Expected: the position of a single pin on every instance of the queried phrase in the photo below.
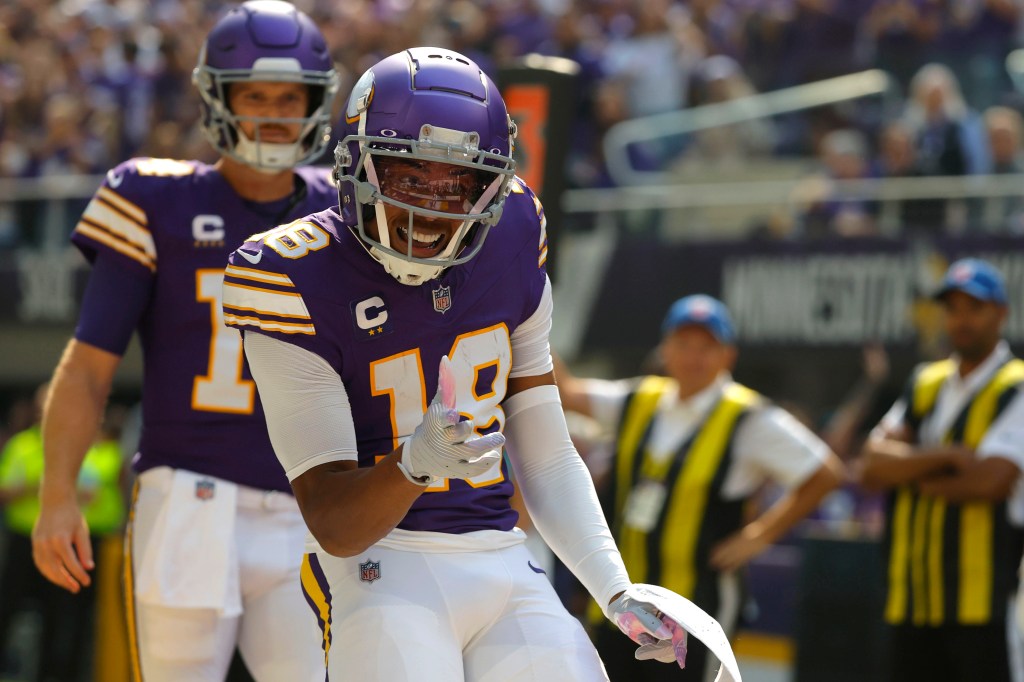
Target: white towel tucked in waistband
(190, 559)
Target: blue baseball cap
(702, 310)
(976, 278)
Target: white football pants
(444, 615)
(226, 580)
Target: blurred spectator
(721, 79)
(67, 620)
(576, 36)
(468, 33)
(656, 59)
(897, 158)
(519, 27)
(766, 39)
(947, 133)
(977, 37)
(1004, 128)
(654, 63)
(949, 138)
(825, 209)
(721, 22)
(899, 34)
(823, 37)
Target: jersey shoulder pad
(117, 218)
(262, 282)
(145, 180)
(524, 210)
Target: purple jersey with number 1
(312, 283)
(173, 224)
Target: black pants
(617, 652)
(63, 653)
(949, 653)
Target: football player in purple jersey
(216, 537)
(398, 340)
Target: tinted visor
(431, 185)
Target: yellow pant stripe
(896, 604)
(319, 600)
(129, 591)
(975, 596)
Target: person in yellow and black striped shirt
(691, 449)
(950, 452)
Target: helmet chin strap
(267, 157)
(406, 272)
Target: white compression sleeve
(531, 352)
(307, 410)
(559, 492)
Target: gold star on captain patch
(372, 332)
(380, 330)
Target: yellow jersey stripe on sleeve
(259, 276)
(101, 215)
(117, 244)
(232, 320)
(264, 301)
(123, 205)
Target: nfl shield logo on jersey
(369, 571)
(205, 488)
(442, 299)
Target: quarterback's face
(427, 185)
(695, 358)
(974, 327)
(269, 100)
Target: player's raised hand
(61, 547)
(443, 446)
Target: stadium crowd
(86, 83)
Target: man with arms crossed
(949, 453)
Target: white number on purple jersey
(222, 388)
(475, 357)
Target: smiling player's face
(428, 185)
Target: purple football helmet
(426, 107)
(265, 41)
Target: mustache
(265, 128)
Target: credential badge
(369, 571)
(442, 299)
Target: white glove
(659, 637)
(658, 620)
(442, 446)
